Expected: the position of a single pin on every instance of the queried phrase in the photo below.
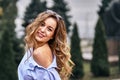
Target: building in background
(112, 24)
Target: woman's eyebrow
(43, 22)
(51, 27)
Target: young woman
(47, 54)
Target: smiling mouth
(41, 35)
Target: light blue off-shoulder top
(28, 69)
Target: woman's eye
(49, 29)
(42, 24)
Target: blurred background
(93, 28)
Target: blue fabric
(28, 69)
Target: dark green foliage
(8, 51)
(76, 54)
(8, 18)
(4, 4)
(60, 6)
(18, 47)
(99, 63)
(106, 17)
(35, 7)
(8, 66)
(9, 14)
(105, 4)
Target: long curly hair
(58, 44)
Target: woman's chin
(38, 39)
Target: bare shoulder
(41, 50)
(43, 56)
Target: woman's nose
(43, 29)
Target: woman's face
(46, 30)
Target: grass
(114, 73)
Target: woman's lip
(41, 35)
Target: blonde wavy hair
(58, 44)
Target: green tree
(8, 65)
(35, 7)
(4, 10)
(103, 7)
(99, 63)
(76, 54)
(9, 16)
(60, 6)
(8, 69)
(105, 13)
